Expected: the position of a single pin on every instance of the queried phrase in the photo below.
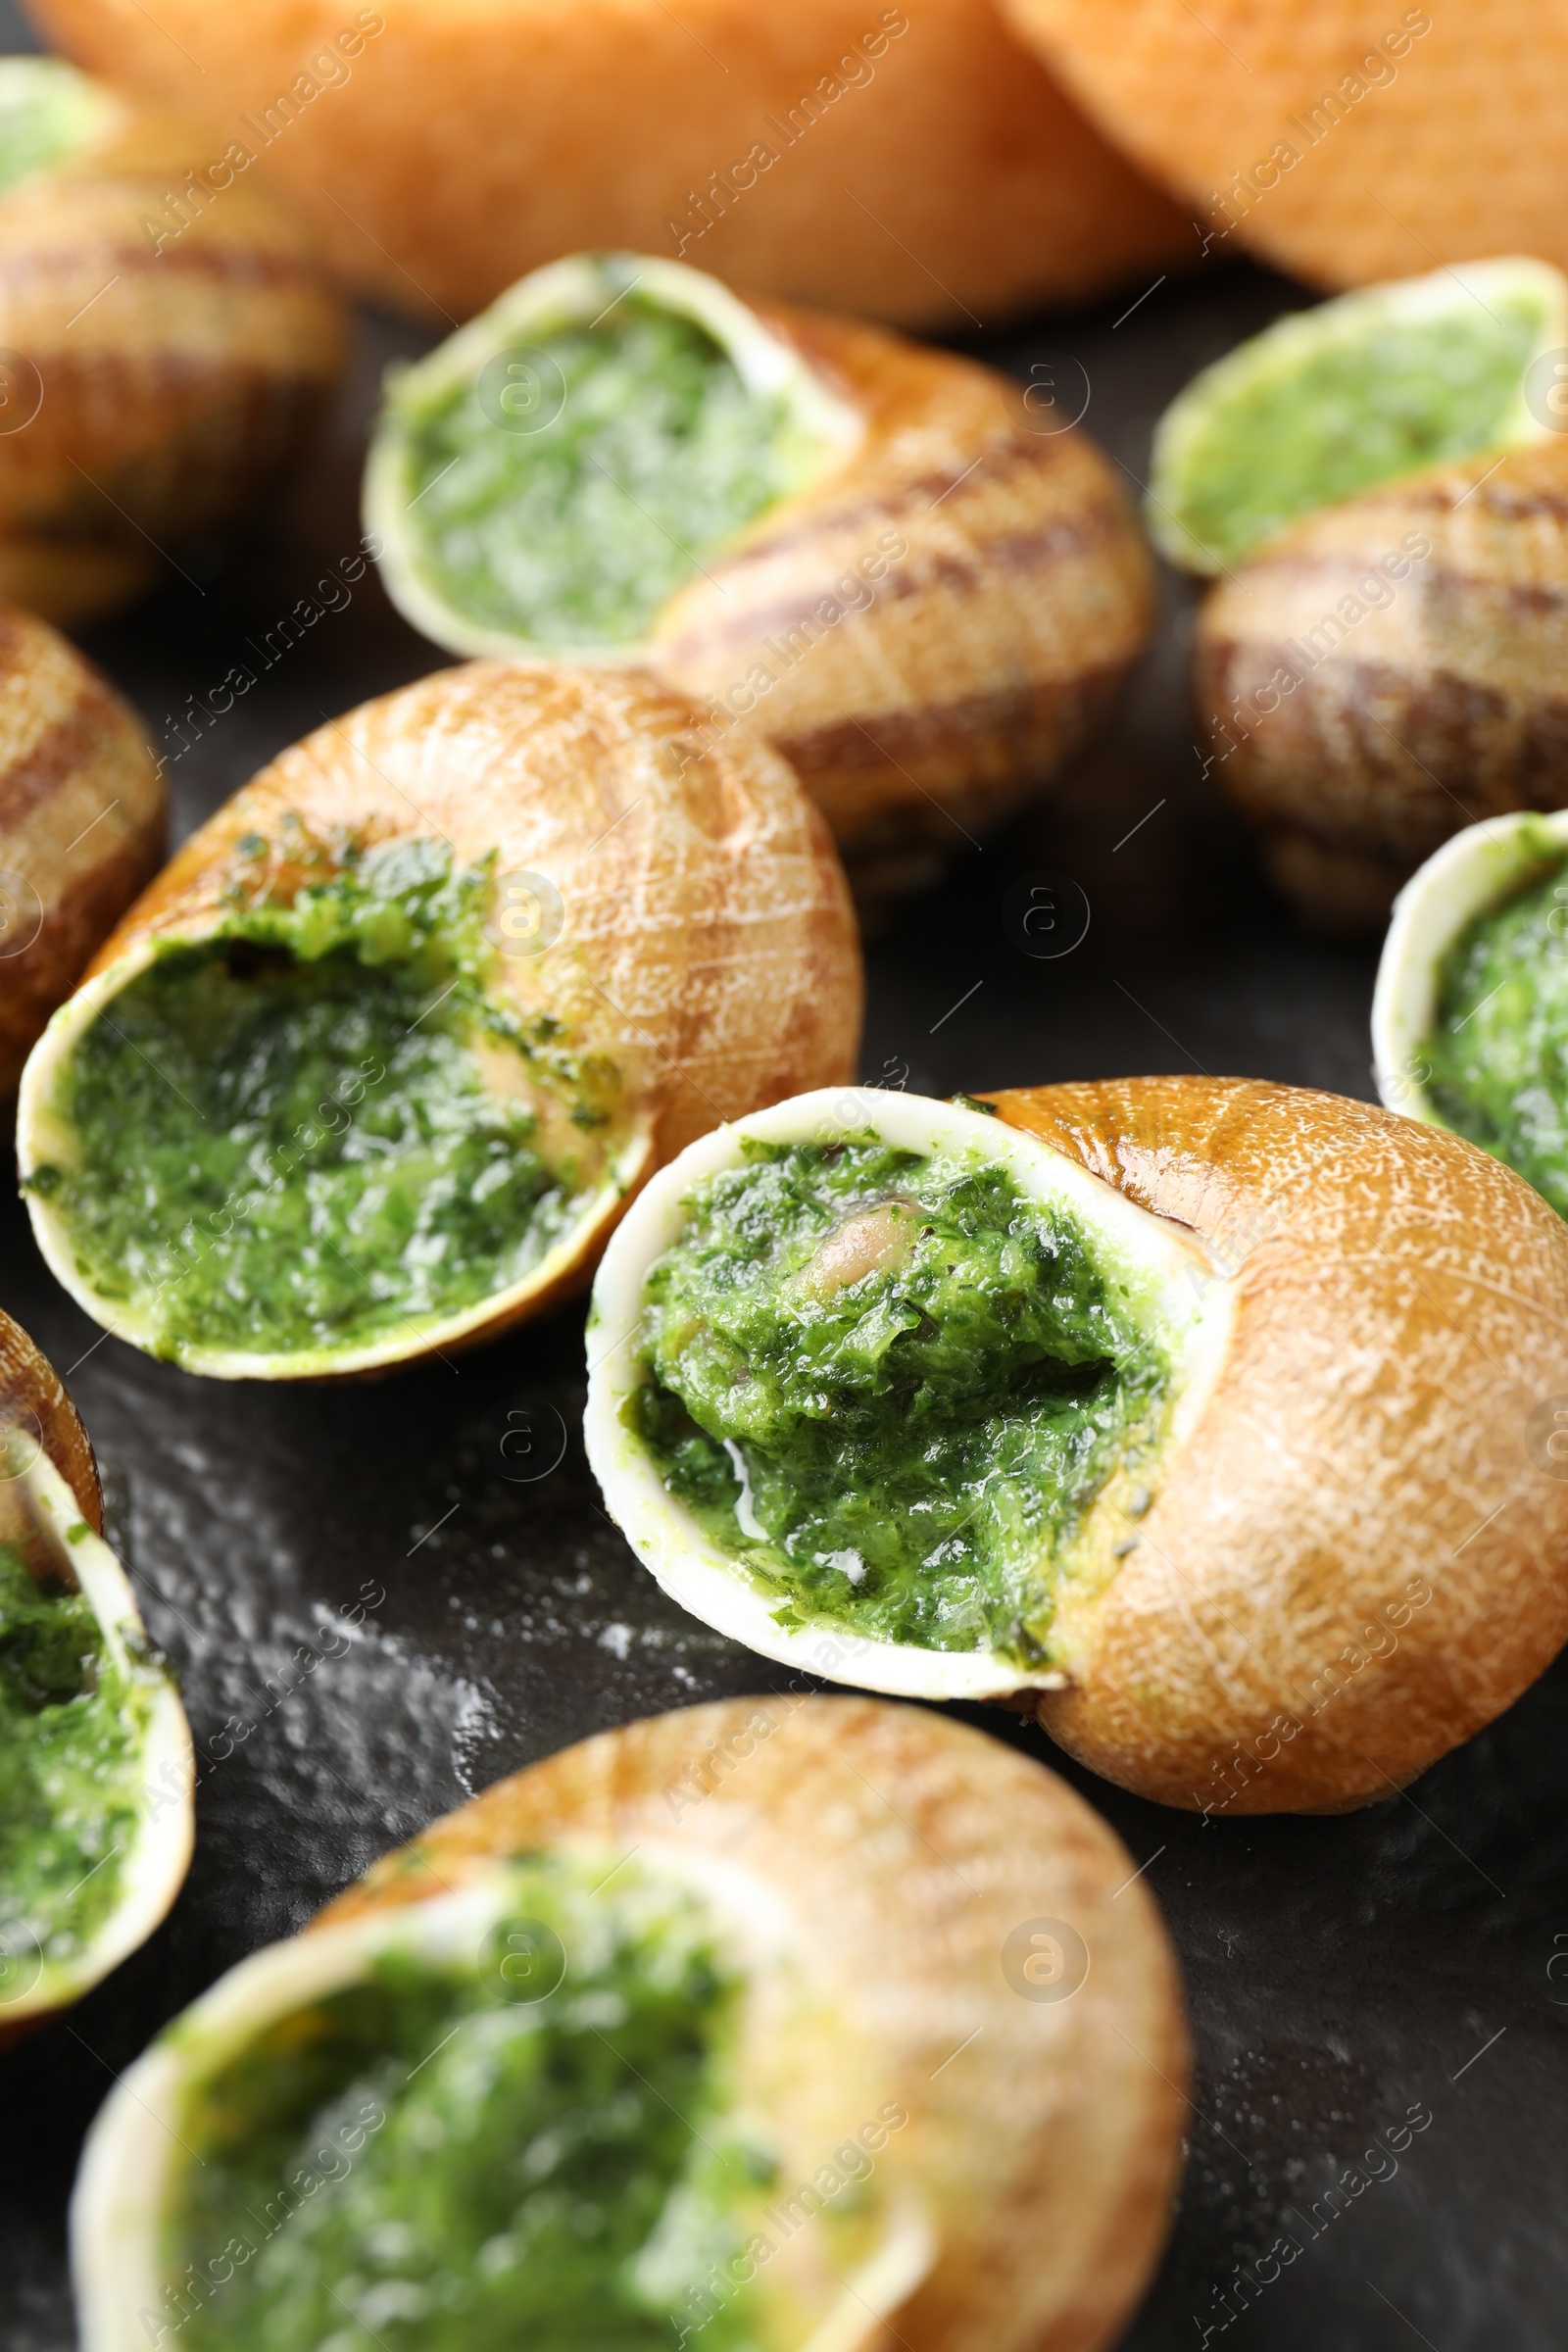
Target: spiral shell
(165, 348)
(81, 824)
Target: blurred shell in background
(1344, 140)
(164, 349)
(1390, 670)
(920, 167)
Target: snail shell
(1477, 870)
(1390, 670)
(929, 629)
(704, 940)
(1345, 1557)
(1019, 598)
(51, 1508)
(443, 155)
(168, 348)
(32, 1397)
(81, 824)
(977, 1956)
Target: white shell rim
(697, 1573)
(153, 1870)
(118, 2208)
(117, 2205)
(40, 1133)
(563, 293)
(1429, 293)
(1473, 870)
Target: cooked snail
(1470, 1019)
(1195, 1416)
(797, 2023)
(923, 589)
(81, 824)
(96, 1772)
(167, 337)
(376, 1063)
(1332, 402)
(1381, 482)
(1390, 669)
(915, 163)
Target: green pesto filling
(47, 111)
(891, 1386)
(1497, 1055)
(284, 1140)
(1360, 410)
(440, 2160)
(72, 1728)
(644, 453)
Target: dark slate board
(1342, 1973)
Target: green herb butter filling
(72, 1729)
(1363, 409)
(319, 1131)
(564, 503)
(891, 1385)
(1497, 1055)
(48, 112)
(535, 2149)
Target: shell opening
(877, 1378)
(1470, 1019)
(559, 469)
(321, 1130)
(95, 1763)
(1332, 401)
(547, 2102)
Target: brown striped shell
(921, 166)
(703, 940)
(1043, 2082)
(174, 351)
(32, 1397)
(81, 824)
(1363, 699)
(1359, 1554)
(932, 630)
